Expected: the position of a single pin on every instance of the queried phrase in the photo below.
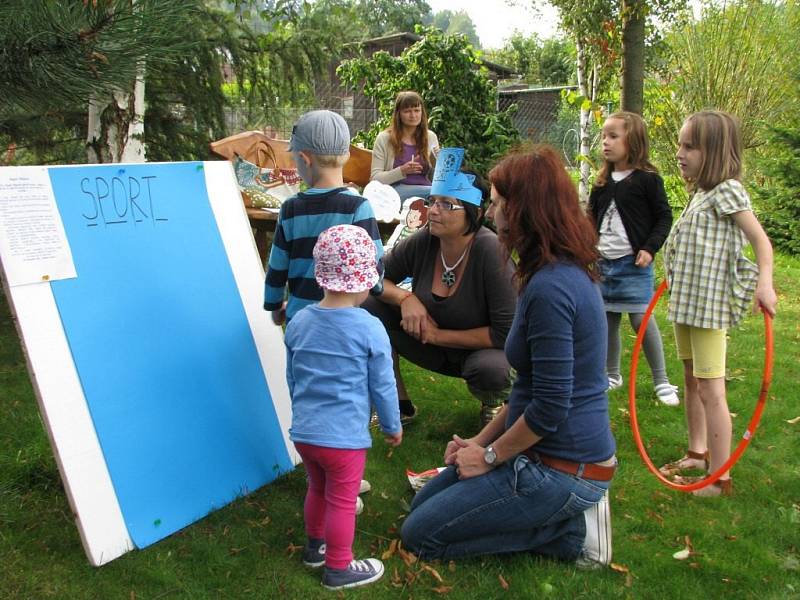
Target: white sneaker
(668, 394)
(596, 551)
(359, 505)
(364, 487)
(614, 382)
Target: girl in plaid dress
(712, 283)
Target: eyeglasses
(443, 205)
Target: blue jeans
(406, 191)
(521, 505)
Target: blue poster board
(162, 346)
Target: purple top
(410, 150)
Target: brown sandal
(721, 487)
(675, 467)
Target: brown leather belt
(590, 470)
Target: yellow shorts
(704, 347)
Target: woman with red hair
(536, 478)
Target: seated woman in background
(458, 314)
(403, 154)
(536, 478)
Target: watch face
(489, 456)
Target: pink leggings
(334, 476)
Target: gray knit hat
(320, 132)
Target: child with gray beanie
(320, 146)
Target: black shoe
(408, 411)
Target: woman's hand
(643, 259)
(411, 167)
(430, 334)
(454, 446)
(414, 317)
(469, 459)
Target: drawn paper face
(417, 215)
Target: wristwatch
(489, 456)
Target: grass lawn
(746, 546)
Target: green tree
(542, 63)
(780, 200)
(461, 99)
(733, 58)
(452, 22)
(78, 51)
(55, 56)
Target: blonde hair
(717, 135)
(636, 142)
(330, 161)
(405, 100)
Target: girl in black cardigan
(633, 218)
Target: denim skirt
(626, 288)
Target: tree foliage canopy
(540, 62)
(460, 98)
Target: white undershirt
(614, 241)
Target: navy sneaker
(358, 572)
(314, 554)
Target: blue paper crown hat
(448, 180)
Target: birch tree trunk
(116, 125)
(584, 141)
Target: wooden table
(263, 223)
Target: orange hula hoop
(751, 427)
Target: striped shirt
(302, 218)
(711, 282)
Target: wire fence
(538, 117)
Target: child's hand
(643, 259)
(279, 316)
(393, 439)
(765, 299)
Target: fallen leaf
(619, 568)
(503, 582)
(390, 551)
(443, 589)
(682, 554)
(291, 549)
(434, 573)
(793, 421)
(407, 557)
(384, 495)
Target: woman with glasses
(404, 154)
(456, 316)
(536, 478)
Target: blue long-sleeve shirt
(338, 366)
(558, 344)
(291, 261)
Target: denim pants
(407, 190)
(522, 505)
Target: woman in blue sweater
(536, 478)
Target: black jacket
(642, 205)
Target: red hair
(545, 221)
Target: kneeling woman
(457, 316)
(536, 478)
